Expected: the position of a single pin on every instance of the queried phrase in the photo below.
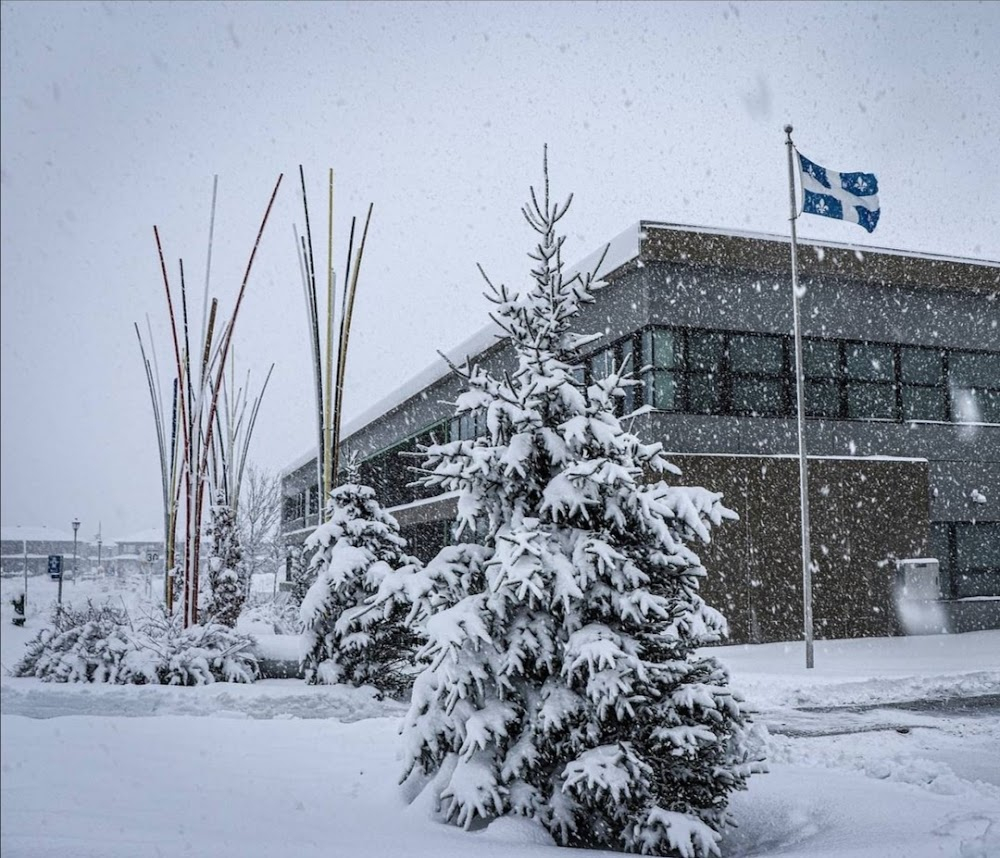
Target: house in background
(140, 553)
(25, 549)
(902, 399)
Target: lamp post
(76, 527)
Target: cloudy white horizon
(116, 117)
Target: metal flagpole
(807, 615)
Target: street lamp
(76, 527)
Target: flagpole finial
(788, 130)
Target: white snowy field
(889, 747)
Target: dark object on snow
(18, 604)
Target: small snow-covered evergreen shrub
(84, 645)
(348, 637)
(100, 643)
(276, 612)
(300, 572)
(226, 575)
(165, 653)
(563, 680)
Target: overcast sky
(115, 117)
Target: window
(465, 427)
(821, 365)
(870, 381)
(920, 366)
(711, 372)
(628, 360)
(821, 359)
(923, 403)
(705, 351)
(974, 382)
(661, 358)
(757, 377)
(391, 471)
(977, 559)
(922, 391)
(869, 361)
(623, 355)
(602, 364)
(294, 507)
(978, 370)
(719, 373)
(969, 557)
(314, 493)
(871, 401)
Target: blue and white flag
(845, 196)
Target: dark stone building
(902, 393)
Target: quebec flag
(845, 196)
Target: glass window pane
(921, 365)
(661, 390)
(869, 361)
(628, 402)
(578, 374)
(871, 400)
(602, 364)
(704, 352)
(989, 406)
(821, 359)
(969, 405)
(761, 355)
(758, 396)
(627, 359)
(822, 398)
(924, 403)
(665, 349)
(977, 546)
(980, 583)
(966, 369)
(703, 393)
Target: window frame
(958, 582)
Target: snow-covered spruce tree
(347, 637)
(563, 682)
(299, 572)
(225, 567)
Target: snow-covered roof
(150, 534)
(811, 242)
(620, 250)
(36, 533)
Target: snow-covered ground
(889, 747)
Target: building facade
(25, 550)
(902, 398)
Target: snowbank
(282, 768)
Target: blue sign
(55, 566)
